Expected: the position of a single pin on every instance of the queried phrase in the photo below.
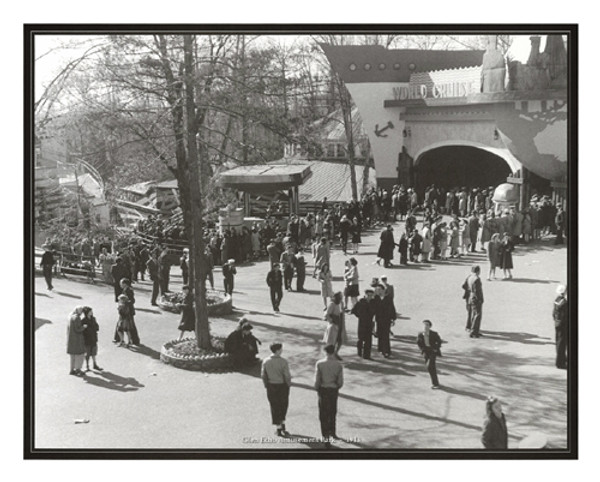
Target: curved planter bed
(185, 354)
(217, 304)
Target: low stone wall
(223, 307)
(207, 362)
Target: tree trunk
(197, 260)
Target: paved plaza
(139, 402)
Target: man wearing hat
(385, 314)
(118, 271)
(47, 264)
(275, 374)
(364, 310)
(560, 314)
(429, 342)
(386, 246)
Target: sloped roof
(374, 63)
(329, 179)
(331, 127)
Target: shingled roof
(330, 179)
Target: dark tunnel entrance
(457, 166)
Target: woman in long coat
(506, 249)
(325, 279)
(335, 333)
(188, 316)
(75, 340)
(494, 255)
(495, 433)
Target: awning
(265, 178)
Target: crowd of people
(454, 223)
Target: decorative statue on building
(493, 70)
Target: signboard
(436, 91)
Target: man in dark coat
(275, 283)
(164, 271)
(152, 266)
(429, 342)
(364, 311)
(118, 271)
(47, 264)
(474, 292)
(473, 226)
(560, 314)
(300, 265)
(384, 316)
(386, 247)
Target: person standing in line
(118, 271)
(275, 283)
(75, 340)
(300, 265)
(325, 278)
(184, 265)
(321, 255)
(364, 311)
(210, 264)
(495, 433)
(429, 342)
(287, 261)
(474, 302)
(152, 267)
(560, 314)
(188, 316)
(473, 229)
(47, 264)
(105, 261)
(275, 374)
(90, 337)
(229, 273)
(384, 316)
(329, 378)
(164, 269)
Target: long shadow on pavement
(42, 294)
(148, 310)
(68, 295)
(145, 350)
(519, 337)
(404, 411)
(377, 368)
(531, 280)
(114, 382)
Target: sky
(49, 65)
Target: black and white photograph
(301, 241)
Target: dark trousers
(288, 275)
(300, 278)
(118, 290)
(47, 270)
(430, 357)
(365, 340)
(276, 295)
(278, 395)
(228, 284)
(328, 410)
(185, 276)
(562, 338)
(155, 290)
(383, 337)
(474, 317)
(164, 282)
